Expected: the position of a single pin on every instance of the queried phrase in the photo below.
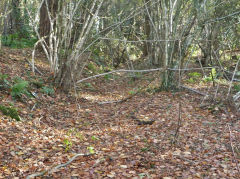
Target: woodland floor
(120, 146)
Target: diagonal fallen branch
(120, 71)
(141, 71)
(34, 67)
(193, 90)
(52, 170)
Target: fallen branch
(109, 102)
(120, 71)
(50, 171)
(36, 174)
(34, 67)
(179, 123)
(193, 90)
(141, 71)
(234, 154)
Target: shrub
(237, 87)
(47, 90)
(207, 79)
(67, 144)
(19, 88)
(10, 111)
(194, 75)
(191, 80)
(92, 68)
(108, 76)
(37, 83)
(16, 41)
(4, 83)
(212, 76)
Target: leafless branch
(34, 67)
(141, 71)
(52, 170)
(194, 90)
(234, 73)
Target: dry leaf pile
(59, 127)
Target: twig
(206, 97)
(216, 91)
(220, 64)
(179, 122)
(36, 174)
(234, 154)
(33, 106)
(50, 171)
(109, 102)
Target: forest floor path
(182, 141)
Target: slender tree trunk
(44, 24)
(13, 21)
(3, 9)
(16, 20)
(147, 31)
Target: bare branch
(194, 90)
(234, 73)
(141, 71)
(50, 171)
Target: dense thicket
(166, 34)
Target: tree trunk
(16, 21)
(64, 78)
(3, 11)
(44, 24)
(147, 31)
(13, 22)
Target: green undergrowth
(10, 111)
(4, 83)
(21, 90)
(17, 40)
(19, 87)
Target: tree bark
(13, 22)
(44, 24)
(64, 78)
(147, 31)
